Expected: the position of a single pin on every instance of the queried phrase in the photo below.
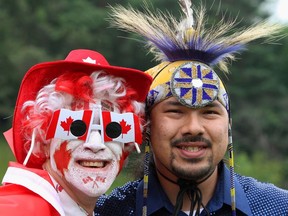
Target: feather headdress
(189, 39)
(187, 50)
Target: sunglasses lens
(113, 130)
(78, 128)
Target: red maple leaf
(62, 157)
(125, 127)
(66, 124)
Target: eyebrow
(214, 104)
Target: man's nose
(95, 142)
(193, 125)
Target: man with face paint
(75, 122)
(189, 122)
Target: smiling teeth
(191, 149)
(92, 164)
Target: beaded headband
(193, 83)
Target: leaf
(62, 157)
(66, 124)
(125, 127)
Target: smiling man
(189, 121)
(75, 122)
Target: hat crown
(86, 56)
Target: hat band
(194, 84)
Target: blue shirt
(158, 199)
(252, 198)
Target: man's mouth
(93, 164)
(191, 148)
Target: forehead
(105, 105)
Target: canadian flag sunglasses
(69, 125)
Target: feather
(172, 40)
(185, 27)
(186, 6)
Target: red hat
(86, 61)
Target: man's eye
(211, 112)
(173, 111)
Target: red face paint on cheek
(62, 157)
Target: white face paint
(91, 167)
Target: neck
(85, 203)
(171, 188)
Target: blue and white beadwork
(194, 84)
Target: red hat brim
(42, 74)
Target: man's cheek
(116, 148)
(62, 157)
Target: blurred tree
(259, 99)
(247, 165)
(33, 31)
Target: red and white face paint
(90, 166)
(87, 146)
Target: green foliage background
(33, 31)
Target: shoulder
(252, 185)
(120, 201)
(16, 198)
(264, 197)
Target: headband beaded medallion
(194, 84)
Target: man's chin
(95, 193)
